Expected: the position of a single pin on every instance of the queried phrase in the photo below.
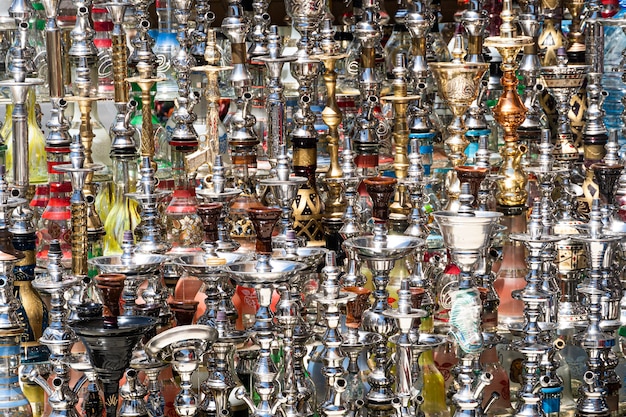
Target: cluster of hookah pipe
(131, 327)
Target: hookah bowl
(458, 85)
(183, 346)
(110, 347)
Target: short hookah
(263, 275)
(59, 337)
(597, 342)
(405, 316)
(465, 249)
(11, 329)
(380, 252)
(330, 297)
(183, 347)
(534, 297)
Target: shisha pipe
(58, 337)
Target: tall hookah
(306, 17)
(380, 252)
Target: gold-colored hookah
(510, 112)
(400, 101)
(458, 84)
(334, 206)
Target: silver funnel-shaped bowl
(200, 264)
(138, 264)
(564, 78)
(465, 236)
(393, 247)
(247, 274)
(312, 257)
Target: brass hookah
(400, 101)
(334, 206)
(510, 111)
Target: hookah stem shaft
(147, 133)
(120, 70)
(86, 137)
(20, 147)
(79, 238)
(55, 68)
(334, 119)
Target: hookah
(207, 267)
(58, 337)
(12, 399)
(368, 128)
(330, 298)
(510, 111)
(466, 234)
(380, 253)
(419, 21)
(264, 275)
(475, 20)
(183, 347)
(551, 37)
(109, 341)
(533, 331)
(576, 49)
(217, 192)
(79, 170)
(450, 75)
(405, 316)
(305, 69)
(334, 206)
(142, 42)
(530, 68)
(284, 189)
(123, 214)
(201, 33)
(83, 55)
(597, 342)
(400, 101)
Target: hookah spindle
(264, 219)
